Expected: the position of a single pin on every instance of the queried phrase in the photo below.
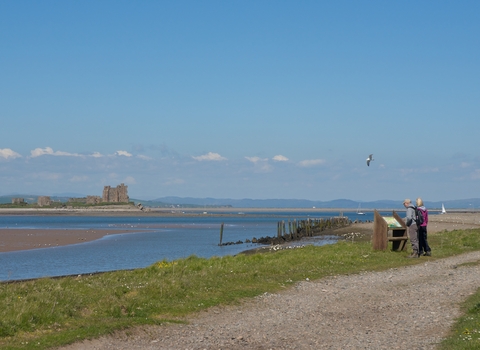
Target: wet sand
(24, 239)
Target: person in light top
(411, 227)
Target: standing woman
(423, 247)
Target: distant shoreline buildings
(110, 194)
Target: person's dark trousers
(423, 246)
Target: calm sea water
(160, 238)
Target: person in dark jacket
(411, 227)
(423, 247)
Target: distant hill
(473, 203)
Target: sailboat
(359, 212)
(443, 209)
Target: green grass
(51, 312)
(466, 332)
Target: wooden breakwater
(294, 230)
(297, 229)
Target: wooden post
(221, 233)
(380, 230)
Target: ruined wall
(43, 201)
(108, 194)
(77, 200)
(93, 199)
(18, 201)
(115, 195)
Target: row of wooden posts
(297, 229)
(310, 227)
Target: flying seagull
(369, 159)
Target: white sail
(359, 211)
(443, 209)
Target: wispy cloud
(79, 178)
(38, 152)
(255, 160)
(261, 164)
(97, 155)
(210, 156)
(476, 174)
(130, 180)
(8, 153)
(311, 162)
(280, 158)
(46, 176)
(141, 156)
(123, 153)
(174, 182)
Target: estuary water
(160, 238)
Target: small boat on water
(443, 209)
(359, 211)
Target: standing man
(411, 227)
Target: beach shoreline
(12, 239)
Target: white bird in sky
(369, 159)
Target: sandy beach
(23, 239)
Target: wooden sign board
(382, 225)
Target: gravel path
(404, 308)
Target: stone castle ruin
(117, 194)
(44, 201)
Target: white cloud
(209, 157)
(37, 152)
(311, 162)
(255, 160)
(261, 164)
(8, 153)
(280, 158)
(465, 165)
(97, 155)
(123, 153)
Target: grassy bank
(51, 312)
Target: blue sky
(241, 99)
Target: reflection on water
(167, 238)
